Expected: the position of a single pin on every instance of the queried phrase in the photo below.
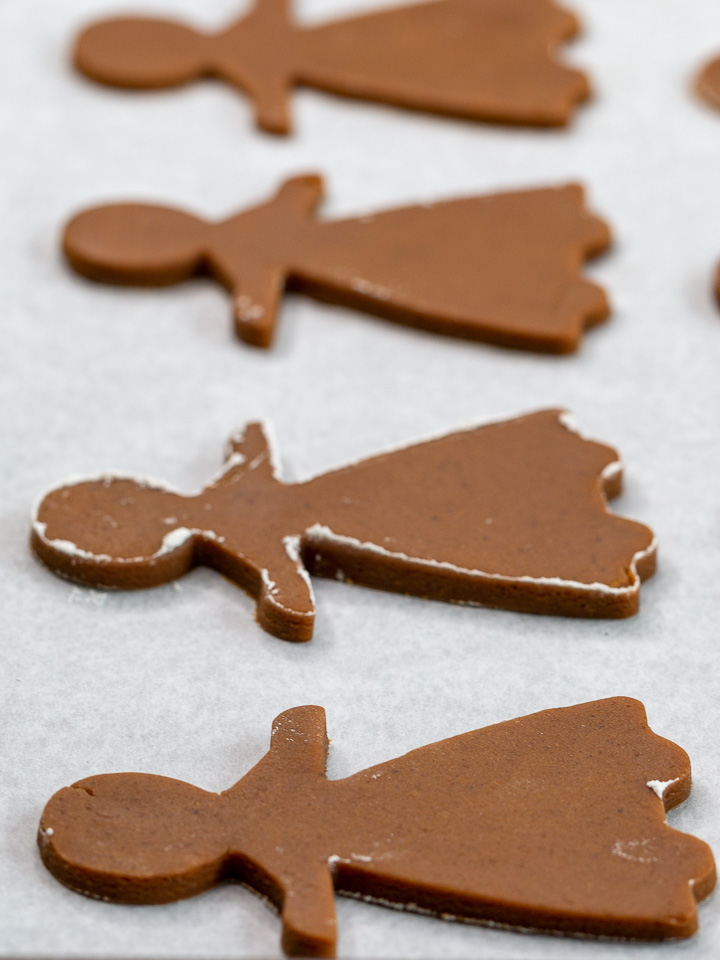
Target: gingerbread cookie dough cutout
(503, 268)
(511, 515)
(558, 825)
(490, 60)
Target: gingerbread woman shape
(554, 821)
(478, 59)
(511, 515)
(503, 268)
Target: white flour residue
(171, 541)
(320, 533)
(292, 548)
(270, 453)
(660, 786)
(612, 470)
(370, 289)
(272, 591)
(271, 587)
(246, 310)
(638, 851)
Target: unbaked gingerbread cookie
(511, 514)
(554, 822)
(504, 268)
(479, 59)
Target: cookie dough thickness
(552, 822)
(511, 514)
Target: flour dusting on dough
(319, 534)
(660, 786)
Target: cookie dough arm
(254, 444)
(259, 286)
(260, 61)
(272, 91)
(272, 106)
(286, 605)
(308, 915)
(299, 746)
(300, 196)
(256, 302)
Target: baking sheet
(180, 680)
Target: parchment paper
(180, 680)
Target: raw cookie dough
(479, 59)
(511, 514)
(707, 83)
(503, 268)
(554, 821)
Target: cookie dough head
(140, 53)
(114, 532)
(96, 837)
(135, 243)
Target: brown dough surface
(503, 268)
(553, 821)
(511, 514)
(707, 83)
(479, 59)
